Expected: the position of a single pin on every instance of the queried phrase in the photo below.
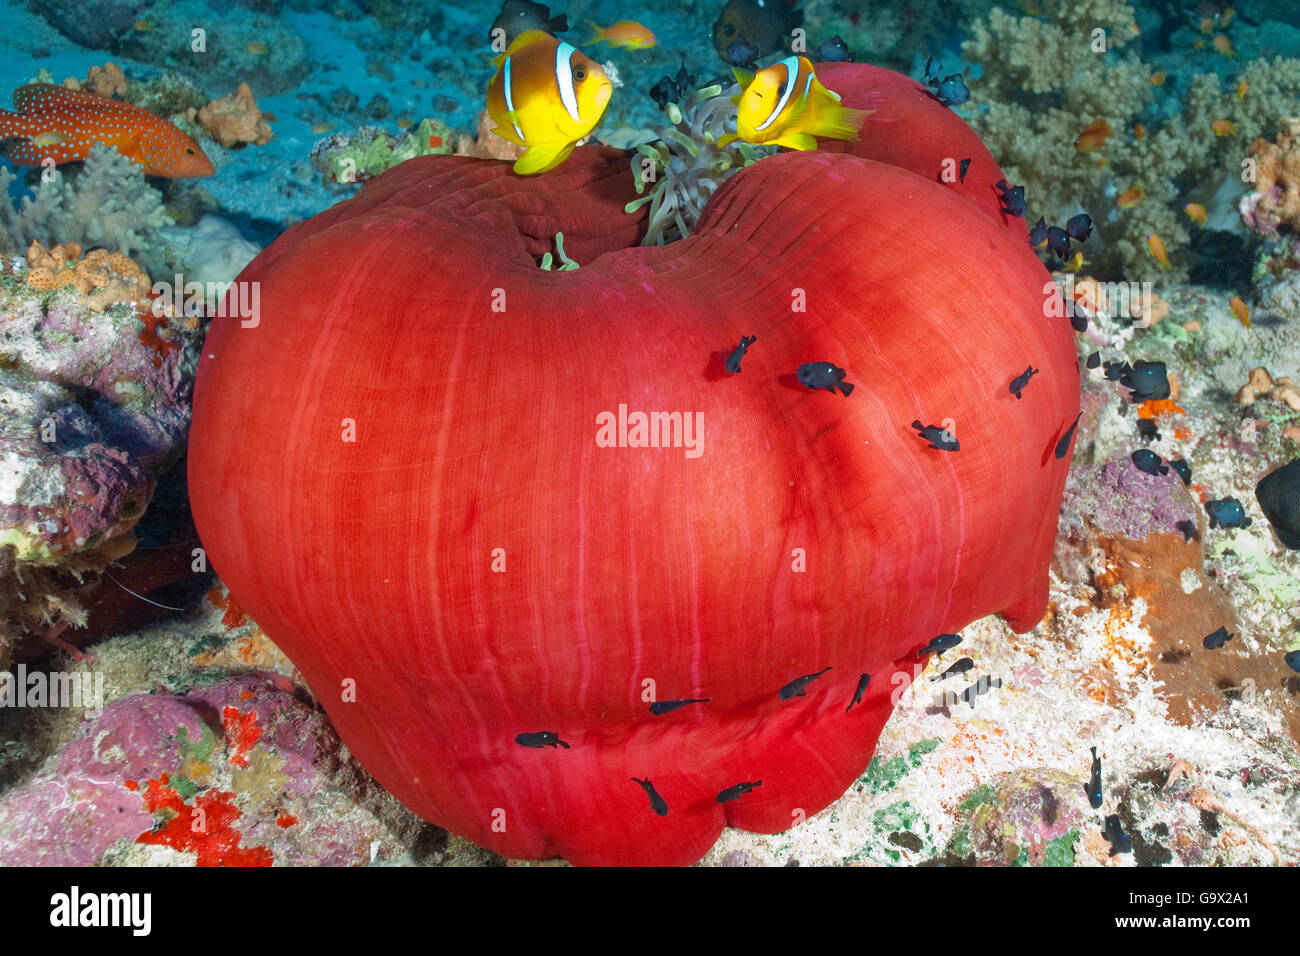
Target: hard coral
(1044, 83)
(235, 119)
(1261, 384)
(1276, 197)
(104, 278)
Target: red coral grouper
(555, 642)
(62, 124)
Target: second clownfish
(546, 96)
(786, 105)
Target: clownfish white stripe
(791, 64)
(506, 88)
(564, 77)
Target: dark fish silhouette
(1147, 430)
(961, 667)
(1038, 232)
(1063, 445)
(981, 686)
(672, 89)
(963, 166)
(937, 645)
(738, 353)
(748, 29)
(1227, 512)
(1020, 381)
(1189, 530)
(657, 803)
(739, 790)
(824, 376)
(835, 50)
(1216, 640)
(1013, 199)
(796, 687)
(863, 681)
(1182, 469)
(668, 706)
(1148, 380)
(1146, 460)
(1094, 782)
(520, 16)
(1078, 317)
(1116, 837)
(1278, 494)
(939, 438)
(1079, 227)
(1094, 360)
(1058, 242)
(544, 738)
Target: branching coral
(685, 165)
(107, 204)
(1046, 80)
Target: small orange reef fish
(546, 96)
(1094, 134)
(1158, 78)
(1195, 212)
(1242, 87)
(1224, 128)
(627, 34)
(1240, 311)
(1157, 247)
(786, 105)
(1224, 46)
(1130, 197)
(1140, 131)
(62, 124)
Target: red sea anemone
(397, 473)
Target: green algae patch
(882, 775)
(1060, 852)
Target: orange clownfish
(1157, 247)
(546, 96)
(627, 34)
(53, 122)
(786, 105)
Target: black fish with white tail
(824, 376)
(939, 438)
